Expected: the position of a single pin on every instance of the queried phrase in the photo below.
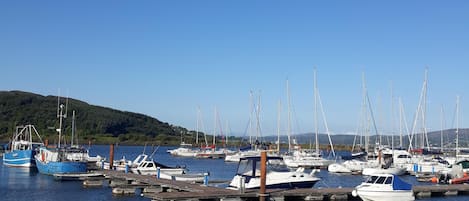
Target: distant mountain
(449, 138)
(93, 122)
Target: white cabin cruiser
(384, 187)
(278, 175)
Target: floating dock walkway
(170, 190)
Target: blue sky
(166, 58)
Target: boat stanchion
(206, 179)
(158, 171)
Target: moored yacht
(278, 175)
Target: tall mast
(251, 106)
(316, 112)
(392, 118)
(289, 117)
(258, 120)
(73, 127)
(215, 126)
(424, 112)
(365, 114)
(278, 125)
(400, 123)
(197, 127)
(442, 113)
(457, 127)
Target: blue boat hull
(19, 158)
(51, 168)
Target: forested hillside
(95, 123)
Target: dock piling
(262, 194)
(111, 157)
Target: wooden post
(262, 194)
(111, 157)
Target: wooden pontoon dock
(169, 190)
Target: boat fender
(42, 156)
(354, 193)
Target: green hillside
(94, 123)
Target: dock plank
(190, 191)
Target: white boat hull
(338, 168)
(392, 170)
(306, 161)
(377, 195)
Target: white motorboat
(150, 167)
(379, 170)
(384, 187)
(278, 175)
(338, 168)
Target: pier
(170, 190)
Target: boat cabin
(251, 166)
(388, 179)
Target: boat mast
(400, 123)
(289, 117)
(73, 127)
(457, 127)
(197, 127)
(258, 120)
(392, 119)
(278, 125)
(442, 113)
(316, 112)
(61, 116)
(251, 105)
(364, 116)
(424, 112)
(215, 127)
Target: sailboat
(307, 157)
(61, 159)
(252, 148)
(23, 147)
(210, 151)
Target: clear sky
(166, 58)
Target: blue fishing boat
(23, 147)
(61, 159)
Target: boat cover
(398, 184)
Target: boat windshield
(372, 179)
(379, 180)
(277, 165)
(245, 168)
(388, 180)
(252, 167)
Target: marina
(128, 186)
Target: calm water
(24, 184)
